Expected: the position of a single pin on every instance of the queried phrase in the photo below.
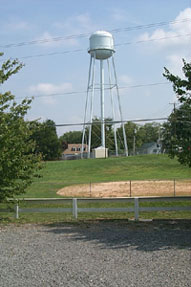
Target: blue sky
(137, 63)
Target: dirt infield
(129, 188)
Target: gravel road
(96, 254)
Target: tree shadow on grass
(116, 234)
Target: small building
(74, 150)
(100, 152)
(149, 148)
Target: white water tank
(101, 45)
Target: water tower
(102, 49)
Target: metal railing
(75, 203)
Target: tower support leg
(102, 104)
(113, 111)
(120, 109)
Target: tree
(150, 132)
(46, 139)
(130, 130)
(18, 166)
(177, 134)
(181, 87)
(96, 133)
(72, 137)
(177, 130)
(137, 135)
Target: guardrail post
(17, 210)
(75, 208)
(136, 208)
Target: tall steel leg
(113, 111)
(91, 107)
(86, 105)
(102, 104)
(120, 110)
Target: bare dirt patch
(129, 188)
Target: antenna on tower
(102, 48)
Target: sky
(51, 37)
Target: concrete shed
(100, 152)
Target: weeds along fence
(76, 206)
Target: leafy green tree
(177, 134)
(181, 87)
(150, 132)
(18, 166)
(46, 139)
(130, 130)
(177, 130)
(75, 137)
(96, 133)
(72, 137)
(138, 134)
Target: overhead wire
(80, 50)
(154, 39)
(82, 35)
(83, 92)
(112, 122)
(116, 45)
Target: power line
(53, 95)
(53, 53)
(120, 122)
(151, 25)
(155, 39)
(116, 45)
(83, 92)
(145, 85)
(111, 122)
(82, 35)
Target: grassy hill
(58, 174)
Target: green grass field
(58, 174)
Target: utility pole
(134, 141)
(174, 110)
(174, 105)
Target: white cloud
(182, 27)
(76, 24)
(48, 89)
(174, 64)
(175, 35)
(79, 24)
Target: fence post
(90, 189)
(174, 187)
(130, 187)
(136, 208)
(17, 210)
(75, 208)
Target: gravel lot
(96, 254)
